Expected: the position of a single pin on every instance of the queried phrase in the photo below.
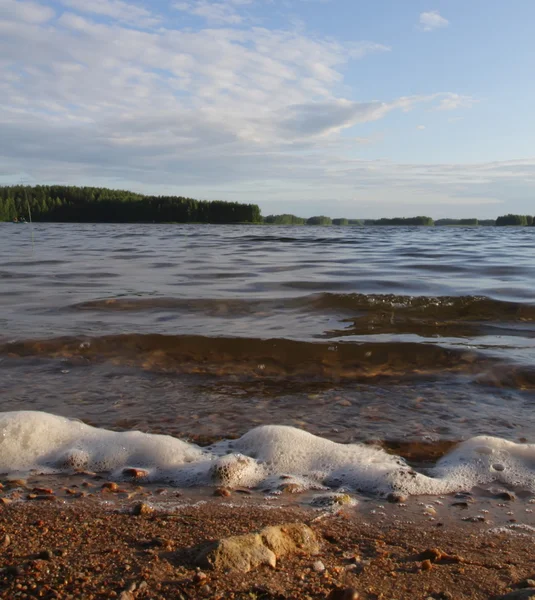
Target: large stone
(237, 553)
(290, 538)
(246, 552)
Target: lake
(414, 338)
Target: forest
(71, 204)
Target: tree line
(56, 203)
(288, 219)
(59, 203)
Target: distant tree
(284, 219)
(428, 221)
(340, 221)
(85, 204)
(513, 220)
(321, 220)
(356, 222)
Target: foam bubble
(265, 457)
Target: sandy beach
(97, 545)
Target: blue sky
(338, 107)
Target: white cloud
(29, 12)
(214, 12)
(432, 20)
(115, 9)
(455, 101)
(420, 127)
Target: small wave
(254, 357)
(262, 458)
(452, 308)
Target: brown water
(415, 336)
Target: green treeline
(425, 221)
(87, 204)
(521, 220)
(59, 203)
(428, 221)
(464, 222)
(321, 220)
(284, 220)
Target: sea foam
(263, 457)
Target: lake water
(412, 337)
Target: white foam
(266, 456)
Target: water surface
(401, 335)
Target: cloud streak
(429, 21)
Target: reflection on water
(354, 333)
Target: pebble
(199, 577)
(6, 541)
(343, 594)
(136, 473)
(110, 485)
(426, 565)
(141, 508)
(476, 519)
(318, 566)
(46, 555)
(16, 483)
(396, 497)
(509, 496)
(13, 571)
(223, 492)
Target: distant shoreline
(71, 204)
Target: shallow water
(409, 336)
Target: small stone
(476, 519)
(222, 492)
(6, 501)
(206, 589)
(16, 483)
(318, 566)
(396, 497)
(505, 495)
(6, 540)
(136, 473)
(40, 490)
(343, 594)
(527, 583)
(291, 488)
(426, 565)
(432, 554)
(126, 596)
(199, 577)
(46, 555)
(143, 509)
(110, 486)
(13, 571)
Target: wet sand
(91, 544)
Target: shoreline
(104, 546)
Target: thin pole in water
(29, 216)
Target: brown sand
(87, 548)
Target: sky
(348, 108)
